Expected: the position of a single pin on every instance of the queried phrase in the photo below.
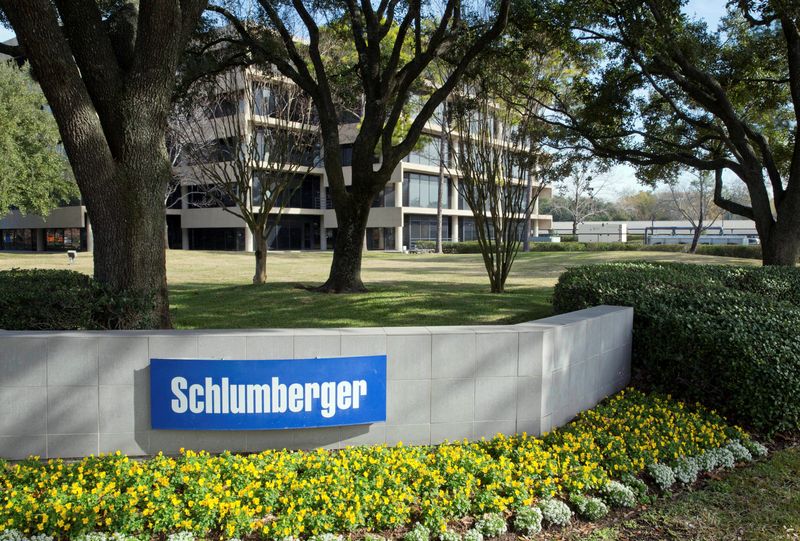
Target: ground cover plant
(211, 290)
(720, 334)
(391, 490)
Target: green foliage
(34, 175)
(726, 336)
(66, 300)
(745, 252)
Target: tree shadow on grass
(401, 303)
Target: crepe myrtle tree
(671, 92)
(249, 142)
(495, 149)
(107, 69)
(394, 43)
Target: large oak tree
(395, 44)
(670, 93)
(108, 72)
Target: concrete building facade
(402, 215)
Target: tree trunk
(128, 225)
(526, 242)
(345, 274)
(698, 229)
(781, 246)
(260, 277)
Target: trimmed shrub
(723, 335)
(41, 299)
(741, 251)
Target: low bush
(723, 335)
(741, 251)
(66, 300)
(276, 494)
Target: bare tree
(578, 192)
(694, 199)
(491, 139)
(264, 145)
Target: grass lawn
(759, 502)
(214, 289)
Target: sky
(621, 179)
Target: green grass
(214, 289)
(759, 502)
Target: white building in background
(402, 214)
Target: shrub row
(66, 300)
(723, 335)
(276, 494)
(472, 247)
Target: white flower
(528, 520)
(663, 475)
(555, 512)
(618, 495)
(492, 525)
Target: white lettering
(278, 396)
(343, 391)
(328, 399)
(295, 397)
(258, 398)
(312, 392)
(179, 403)
(224, 397)
(195, 405)
(359, 390)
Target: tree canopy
(669, 92)
(34, 173)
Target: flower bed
(277, 494)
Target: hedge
(41, 299)
(472, 247)
(726, 336)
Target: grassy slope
(214, 290)
(756, 503)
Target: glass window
(417, 228)
(421, 190)
(426, 153)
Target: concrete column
(89, 235)
(184, 238)
(454, 228)
(40, 240)
(323, 237)
(248, 240)
(535, 227)
(454, 194)
(398, 202)
(184, 202)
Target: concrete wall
(602, 232)
(69, 394)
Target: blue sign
(188, 394)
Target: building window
(385, 198)
(417, 228)
(302, 192)
(426, 153)
(421, 190)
